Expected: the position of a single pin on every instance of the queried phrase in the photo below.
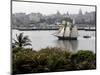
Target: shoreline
(50, 29)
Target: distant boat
(87, 36)
(67, 31)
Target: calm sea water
(42, 39)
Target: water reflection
(43, 39)
(71, 45)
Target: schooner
(67, 31)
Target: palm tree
(21, 40)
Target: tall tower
(58, 13)
(67, 14)
(73, 21)
(80, 12)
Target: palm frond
(27, 44)
(26, 39)
(14, 40)
(20, 37)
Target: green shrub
(84, 60)
(51, 60)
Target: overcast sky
(47, 9)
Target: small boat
(67, 31)
(87, 36)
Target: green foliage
(19, 49)
(51, 60)
(21, 41)
(84, 60)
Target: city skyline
(48, 9)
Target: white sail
(67, 32)
(74, 32)
(61, 32)
(60, 29)
(56, 33)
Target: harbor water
(44, 38)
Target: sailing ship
(67, 31)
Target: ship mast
(65, 25)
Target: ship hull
(67, 38)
